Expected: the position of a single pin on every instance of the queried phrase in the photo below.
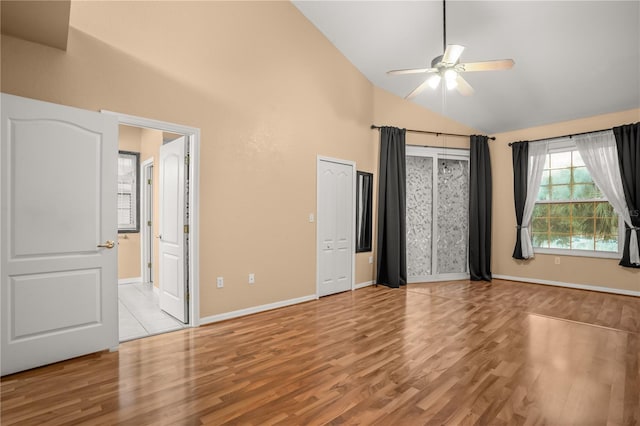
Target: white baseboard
(364, 284)
(255, 309)
(569, 285)
(434, 278)
(135, 280)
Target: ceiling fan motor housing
(436, 61)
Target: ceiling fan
(448, 67)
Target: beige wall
(390, 110)
(129, 243)
(574, 270)
(151, 141)
(269, 94)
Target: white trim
(580, 253)
(145, 250)
(256, 309)
(320, 158)
(570, 285)
(440, 277)
(362, 285)
(135, 280)
(193, 136)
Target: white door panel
(49, 302)
(335, 227)
(171, 257)
(41, 219)
(58, 182)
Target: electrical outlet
(370, 259)
(252, 278)
(557, 260)
(220, 282)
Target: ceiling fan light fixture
(451, 83)
(434, 81)
(450, 75)
(448, 67)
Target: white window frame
(565, 145)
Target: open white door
(171, 256)
(58, 176)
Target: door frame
(192, 135)
(146, 248)
(320, 158)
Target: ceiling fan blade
(411, 71)
(452, 54)
(417, 90)
(499, 64)
(463, 87)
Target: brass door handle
(109, 244)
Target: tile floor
(140, 313)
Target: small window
(128, 202)
(571, 213)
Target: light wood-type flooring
(455, 353)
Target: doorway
(142, 292)
(437, 214)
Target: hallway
(140, 314)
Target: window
(128, 204)
(571, 213)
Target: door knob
(109, 244)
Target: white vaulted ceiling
(573, 59)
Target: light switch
(311, 217)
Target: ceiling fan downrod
(444, 25)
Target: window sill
(578, 253)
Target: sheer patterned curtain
(600, 155)
(537, 156)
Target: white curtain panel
(537, 156)
(600, 155)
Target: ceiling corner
(42, 21)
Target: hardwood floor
(452, 353)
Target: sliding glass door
(437, 214)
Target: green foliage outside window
(571, 212)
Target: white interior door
(336, 223)
(171, 247)
(58, 173)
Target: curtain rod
(566, 136)
(373, 126)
